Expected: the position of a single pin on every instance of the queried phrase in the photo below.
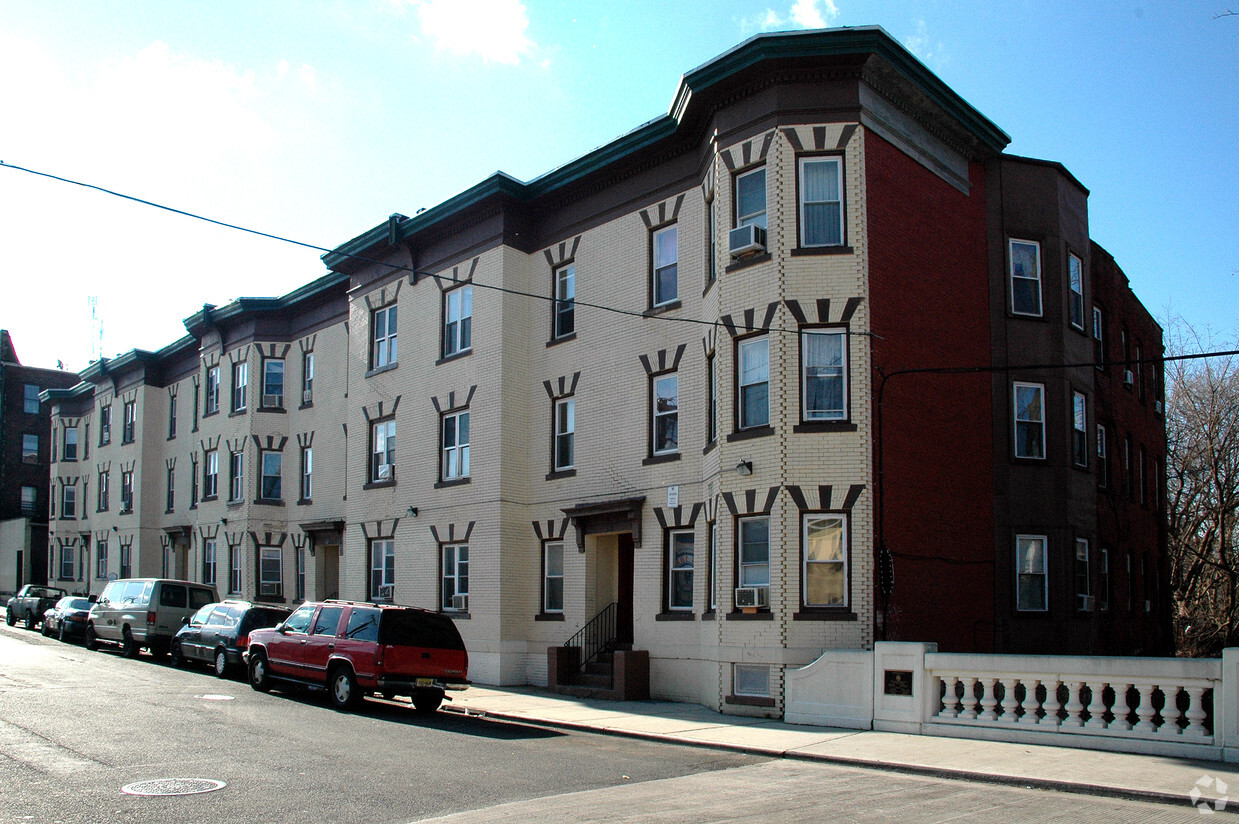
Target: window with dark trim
(105, 425)
(210, 474)
(457, 320)
(171, 490)
(1029, 405)
(823, 374)
(240, 385)
(271, 483)
(172, 417)
(1079, 429)
(680, 563)
(126, 492)
(382, 569)
(307, 378)
(1025, 261)
(273, 383)
(750, 198)
(565, 435)
(824, 575)
(383, 451)
(384, 338)
(753, 382)
(821, 201)
(1099, 338)
(236, 476)
(129, 430)
(101, 491)
(1031, 577)
(565, 301)
(1075, 294)
(711, 399)
(1103, 456)
(70, 450)
(455, 576)
(553, 577)
(665, 414)
(1084, 583)
(307, 473)
(664, 270)
(753, 551)
(454, 456)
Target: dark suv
(353, 648)
(219, 633)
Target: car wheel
(178, 659)
(342, 685)
(30, 620)
(8, 617)
(61, 634)
(426, 701)
(92, 640)
(45, 630)
(128, 647)
(221, 663)
(260, 678)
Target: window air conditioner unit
(272, 400)
(1088, 603)
(385, 592)
(1128, 377)
(746, 239)
(307, 396)
(269, 589)
(385, 471)
(461, 602)
(752, 596)
(1158, 407)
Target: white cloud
(494, 30)
(930, 53)
(803, 14)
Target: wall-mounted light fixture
(412, 512)
(224, 521)
(114, 529)
(744, 468)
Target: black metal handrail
(596, 637)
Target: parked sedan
(219, 633)
(67, 619)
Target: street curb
(1076, 788)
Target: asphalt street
(77, 726)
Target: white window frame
(307, 377)
(299, 558)
(29, 500)
(235, 569)
(1099, 337)
(212, 391)
(236, 476)
(564, 447)
(68, 501)
(754, 216)
(552, 573)
(824, 372)
(172, 417)
(103, 498)
(385, 338)
(1017, 274)
(270, 367)
(663, 263)
(383, 451)
(1079, 429)
(806, 203)
(565, 301)
(680, 567)
(745, 678)
(307, 473)
(382, 566)
(811, 563)
(1082, 573)
(455, 446)
(170, 491)
(105, 425)
(210, 474)
(126, 560)
(743, 382)
(101, 559)
(1017, 421)
(712, 399)
(68, 562)
(271, 571)
(1036, 567)
(748, 572)
(126, 491)
(210, 561)
(70, 444)
(666, 418)
(272, 468)
(454, 568)
(1075, 291)
(129, 429)
(240, 385)
(1103, 580)
(458, 320)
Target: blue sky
(316, 120)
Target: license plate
(425, 682)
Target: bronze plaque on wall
(898, 682)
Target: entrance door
(329, 561)
(623, 616)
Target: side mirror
(94, 599)
(281, 629)
(185, 621)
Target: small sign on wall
(897, 682)
(673, 496)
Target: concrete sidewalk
(1061, 768)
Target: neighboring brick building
(818, 220)
(26, 453)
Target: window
(711, 235)
(825, 577)
(1025, 277)
(383, 451)
(126, 491)
(565, 300)
(30, 399)
(240, 382)
(383, 322)
(711, 400)
(821, 201)
(1079, 429)
(1031, 595)
(172, 417)
(824, 385)
(299, 557)
(1029, 420)
(307, 473)
(30, 500)
(455, 573)
(105, 425)
(212, 391)
(234, 569)
(307, 378)
(101, 559)
(712, 569)
(30, 448)
(1103, 457)
(754, 377)
(751, 679)
(751, 198)
(553, 577)
(67, 558)
(1075, 307)
(273, 383)
(128, 431)
(1139, 371)
(1103, 579)
(103, 491)
(1083, 581)
(70, 451)
(665, 415)
(565, 434)
(271, 571)
(193, 482)
(1129, 485)
(210, 567)
(1141, 480)
(236, 476)
(666, 256)
(1099, 339)
(272, 470)
(171, 489)
(195, 405)
(210, 474)
(680, 570)
(455, 446)
(382, 568)
(755, 552)
(457, 321)
(68, 501)
(1155, 487)
(126, 561)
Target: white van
(144, 612)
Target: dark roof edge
(75, 391)
(210, 315)
(1054, 164)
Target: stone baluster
(1121, 708)
(1145, 709)
(1097, 707)
(968, 709)
(1030, 701)
(1051, 704)
(988, 699)
(950, 701)
(1074, 706)
(1195, 713)
(1009, 704)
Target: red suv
(353, 648)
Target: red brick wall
(929, 300)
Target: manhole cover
(173, 786)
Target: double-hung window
(565, 434)
(70, 451)
(754, 546)
(1103, 579)
(1099, 338)
(1079, 429)
(383, 451)
(307, 473)
(212, 391)
(824, 374)
(825, 576)
(384, 350)
(129, 431)
(30, 399)
(126, 561)
(754, 382)
(172, 417)
(821, 201)
(666, 257)
(1103, 456)
(210, 474)
(68, 501)
(271, 571)
(101, 559)
(1031, 579)
(307, 378)
(751, 198)
(382, 568)
(680, 563)
(68, 556)
(272, 472)
(455, 446)
(1029, 420)
(1025, 277)
(236, 475)
(105, 425)
(273, 383)
(455, 576)
(29, 500)
(171, 490)
(1083, 580)
(553, 577)
(126, 491)
(193, 482)
(711, 399)
(240, 383)
(101, 491)
(210, 567)
(665, 414)
(30, 448)
(1075, 297)
(457, 321)
(565, 300)
(234, 569)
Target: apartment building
(791, 368)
